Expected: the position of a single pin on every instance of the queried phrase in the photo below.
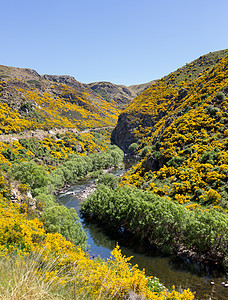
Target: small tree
(132, 149)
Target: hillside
(161, 100)
(174, 200)
(139, 88)
(43, 246)
(120, 94)
(180, 130)
(31, 101)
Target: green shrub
(60, 219)
(109, 180)
(145, 150)
(212, 110)
(198, 193)
(209, 156)
(35, 82)
(132, 149)
(159, 221)
(31, 174)
(79, 166)
(176, 161)
(220, 96)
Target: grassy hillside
(180, 131)
(120, 94)
(170, 95)
(28, 100)
(167, 94)
(42, 244)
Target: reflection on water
(171, 271)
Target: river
(171, 271)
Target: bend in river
(171, 271)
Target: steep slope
(182, 136)
(161, 100)
(29, 100)
(120, 94)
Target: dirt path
(41, 134)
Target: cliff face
(123, 135)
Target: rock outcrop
(123, 135)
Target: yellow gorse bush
(70, 109)
(11, 121)
(16, 231)
(46, 105)
(197, 127)
(110, 280)
(59, 149)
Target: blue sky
(122, 41)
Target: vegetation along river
(170, 270)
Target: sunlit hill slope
(162, 99)
(179, 127)
(28, 100)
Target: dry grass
(23, 279)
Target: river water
(171, 271)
